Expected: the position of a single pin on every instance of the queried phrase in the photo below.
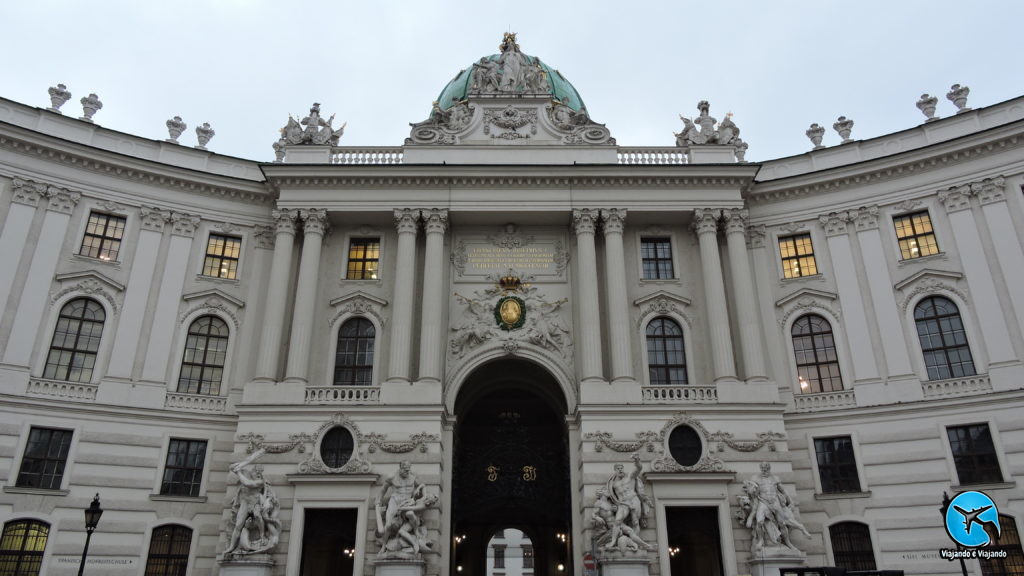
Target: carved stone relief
(543, 325)
(358, 304)
(510, 119)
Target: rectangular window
(222, 254)
(797, 256)
(656, 255)
(974, 454)
(837, 466)
(499, 556)
(183, 472)
(915, 235)
(528, 557)
(46, 454)
(103, 234)
(363, 258)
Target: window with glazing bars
(76, 339)
(353, 359)
(797, 256)
(22, 546)
(103, 234)
(168, 551)
(363, 258)
(851, 546)
(183, 470)
(817, 364)
(943, 339)
(206, 348)
(222, 253)
(915, 235)
(974, 454)
(46, 455)
(1009, 542)
(656, 258)
(837, 466)
(666, 354)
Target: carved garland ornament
(931, 286)
(355, 464)
(359, 305)
(89, 287)
(511, 119)
(808, 304)
(212, 305)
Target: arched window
(1009, 540)
(76, 338)
(666, 357)
(168, 550)
(817, 365)
(22, 546)
(206, 348)
(353, 360)
(851, 546)
(943, 340)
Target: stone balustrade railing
(195, 402)
(652, 155)
(80, 391)
(957, 387)
(680, 394)
(825, 401)
(342, 394)
(367, 155)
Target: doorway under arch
(511, 467)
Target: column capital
(407, 220)
(264, 236)
(584, 220)
(956, 198)
(990, 190)
(314, 221)
(284, 220)
(735, 220)
(865, 217)
(705, 220)
(835, 223)
(435, 220)
(28, 192)
(61, 200)
(183, 224)
(614, 220)
(756, 235)
(154, 218)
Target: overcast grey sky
(244, 65)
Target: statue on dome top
(511, 72)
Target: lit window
(353, 360)
(22, 546)
(666, 356)
(46, 455)
(103, 236)
(363, 258)
(943, 340)
(974, 454)
(528, 557)
(1009, 542)
(222, 254)
(851, 546)
(837, 466)
(656, 256)
(168, 551)
(76, 338)
(797, 256)
(817, 365)
(206, 348)
(915, 235)
(183, 470)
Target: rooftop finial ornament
(815, 133)
(317, 131)
(203, 134)
(843, 126)
(175, 126)
(58, 96)
(701, 130)
(90, 105)
(927, 107)
(958, 96)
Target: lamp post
(92, 518)
(945, 506)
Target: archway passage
(511, 467)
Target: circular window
(685, 446)
(336, 447)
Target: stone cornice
(81, 156)
(900, 165)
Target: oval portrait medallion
(510, 312)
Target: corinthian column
(277, 295)
(314, 227)
(615, 288)
(743, 289)
(405, 275)
(584, 220)
(431, 330)
(706, 225)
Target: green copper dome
(560, 88)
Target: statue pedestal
(251, 565)
(769, 566)
(399, 567)
(624, 565)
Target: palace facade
(514, 304)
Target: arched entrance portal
(511, 468)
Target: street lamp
(945, 506)
(92, 518)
